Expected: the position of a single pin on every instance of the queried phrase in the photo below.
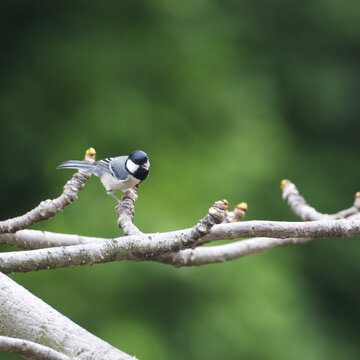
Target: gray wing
(114, 166)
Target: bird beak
(146, 166)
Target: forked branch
(300, 207)
(27, 317)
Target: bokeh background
(227, 98)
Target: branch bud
(283, 183)
(217, 211)
(90, 155)
(242, 206)
(238, 213)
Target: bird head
(138, 165)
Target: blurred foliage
(227, 98)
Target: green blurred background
(227, 98)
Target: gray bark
(152, 246)
(300, 207)
(29, 349)
(48, 208)
(24, 316)
(137, 247)
(221, 253)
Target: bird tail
(80, 165)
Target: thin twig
(301, 208)
(227, 252)
(125, 211)
(49, 208)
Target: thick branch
(29, 349)
(172, 247)
(285, 229)
(146, 246)
(128, 248)
(35, 239)
(24, 316)
(300, 207)
(48, 208)
(354, 217)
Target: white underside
(112, 184)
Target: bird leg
(111, 193)
(127, 202)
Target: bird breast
(113, 184)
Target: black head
(138, 157)
(137, 164)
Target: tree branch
(148, 246)
(35, 239)
(237, 214)
(135, 247)
(48, 208)
(178, 248)
(125, 211)
(300, 207)
(29, 349)
(354, 217)
(222, 253)
(23, 315)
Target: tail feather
(76, 164)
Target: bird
(115, 173)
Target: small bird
(115, 173)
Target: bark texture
(24, 316)
(32, 328)
(29, 349)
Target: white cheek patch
(131, 166)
